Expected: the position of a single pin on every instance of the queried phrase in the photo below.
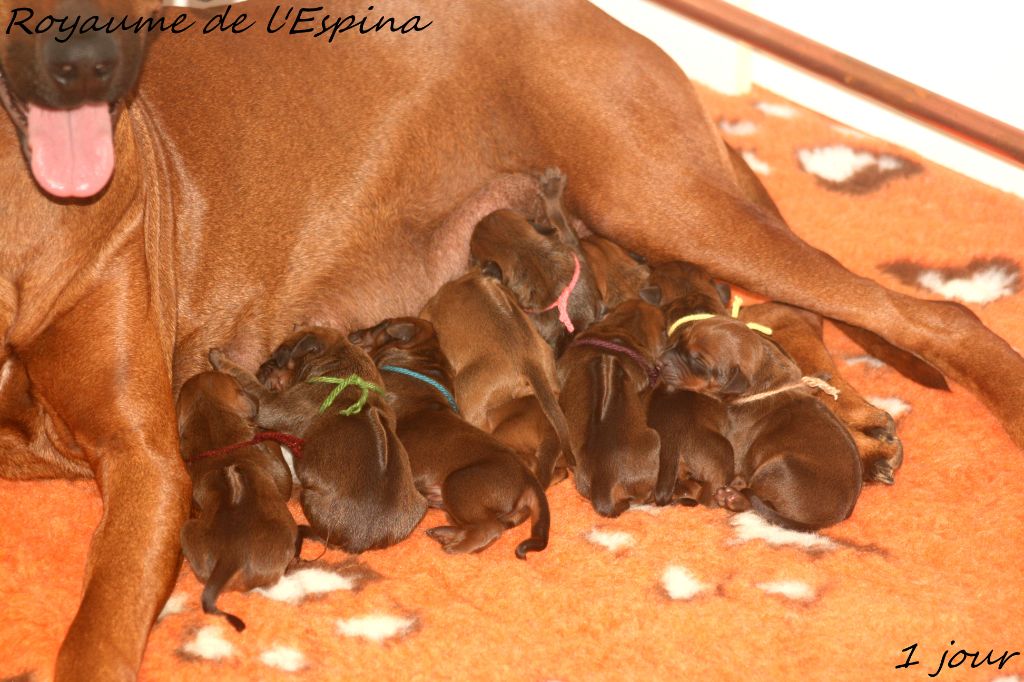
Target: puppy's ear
(493, 270)
(738, 384)
(308, 344)
(250, 405)
(402, 331)
(724, 292)
(651, 294)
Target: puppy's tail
(768, 513)
(540, 516)
(552, 410)
(219, 577)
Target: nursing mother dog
(164, 197)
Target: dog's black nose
(81, 68)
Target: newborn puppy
(608, 374)
(543, 267)
(619, 274)
(244, 535)
(799, 333)
(795, 462)
(476, 479)
(357, 487)
(496, 353)
(695, 459)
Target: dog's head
(409, 342)
(719, 357)
(63, 83)
(212, 393)
(309, 352)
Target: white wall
(969, 55)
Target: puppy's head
(405, 341)
(308, 352)
(213, 391)
(689, 287)
(57, 77)
(719, 357)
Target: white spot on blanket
(982, 286)
(893, 405)
(681, 584)
(755, 163)
(612, 540)
(375, 627)
(866, 360)
(738, 128)
(750, 526)
(297, 586)
(209, 644)
(777, 110)
(790, 589)
(175, 605)
(649, 509)
(284, 658)
(839, 163)
(1007, 678)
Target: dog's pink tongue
(72, 151)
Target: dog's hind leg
(740, 243)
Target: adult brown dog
(244, 532)
(480, 482)
(344, 194)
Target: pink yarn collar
(562, 302)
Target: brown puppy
(496, 353)
(357, 487)
(244, 533)
(479, 481)
(799, 333)
(619, 274)
(608, 373)
(695, 459)
(795, 462)
(543, 267)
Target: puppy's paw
(216, 357)
(732, 499)
(552, 183)
(448, 536)
(881, 452)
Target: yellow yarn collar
(737, 302)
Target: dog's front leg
(105, 381)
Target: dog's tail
(219, 577)
(540, 516)
(552, 410)
(768, 513)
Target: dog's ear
(249, 405)
(724, 292)
(651, 294)
(403, 330)
(308, 344)
(492, 270)
(738, 384)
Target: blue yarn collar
(425, 379)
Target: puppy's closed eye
(493, 270)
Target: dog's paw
(552, 183)
(447, 536)
(881, 451)
(732, 499)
